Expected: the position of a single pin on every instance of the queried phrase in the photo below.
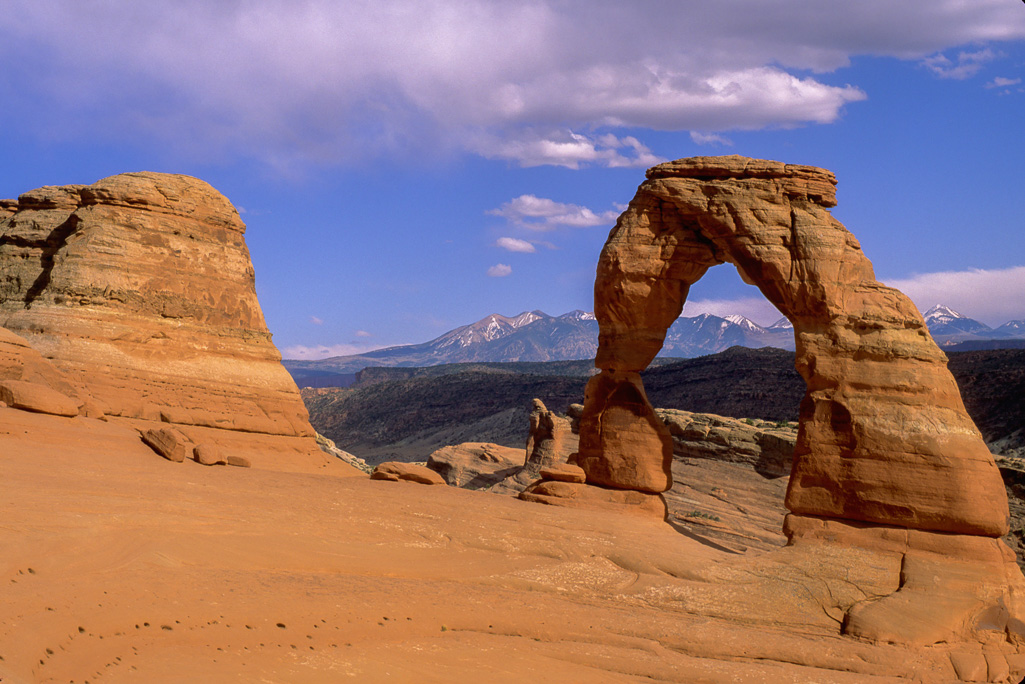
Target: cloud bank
(539, 82)
(993, 296)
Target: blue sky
(408, 167)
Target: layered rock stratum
(139, 291)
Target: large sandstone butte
(139, 290)
(886, 456)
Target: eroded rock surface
(140, 290)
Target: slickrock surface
(139, 288)
(117, 566)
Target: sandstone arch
(884, 437)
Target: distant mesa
(134, 297)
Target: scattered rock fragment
(412, 472)
(238, 461)
(208, 454)
(29, 396)
(169, 443)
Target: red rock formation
(887, 460)
(140, 289)
(884, 435)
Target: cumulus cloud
(363, 333)
(965, 65)
(516, 245)
(568, 149)
(993, 296)
(542, 82)
(539, 213)
(499, 270)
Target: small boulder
(169, 443)
(239, 461)
(28, 396)
(208, 454)
(395, 471)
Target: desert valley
(171, 515)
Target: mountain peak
(744, 322)
(526, 318)
(942, 311)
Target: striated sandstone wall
(141, 290)
(884, 437)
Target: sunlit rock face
(140, 289)
(884, 436)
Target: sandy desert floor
(118, 566)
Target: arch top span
(884, 437)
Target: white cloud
(331, 82)
(992, 296)
(758, 309)
(363, 333)
(304, 352)
(709, 139)
(316, 321)
(516, 245)
(1001, 82)
(568, 149)
(966, 65)
(499, 270)
(539, 213)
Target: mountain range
(535, 336)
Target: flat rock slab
(412, 472)
(576, 495)
(564, 472)
(29, 396)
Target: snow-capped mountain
(1012, 329)
(745, 323)
(944, 322)
(536, 336)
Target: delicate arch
(884, 437)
